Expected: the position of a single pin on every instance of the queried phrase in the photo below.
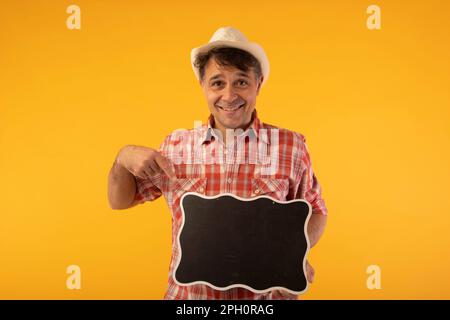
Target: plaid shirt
(202, 163)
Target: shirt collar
(253, 129)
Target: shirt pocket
(277, 189)
(180, 186)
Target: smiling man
(230, 92)
(231, 71)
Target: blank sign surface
(259, 244)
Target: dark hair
(228, 56)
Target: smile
(232, 109)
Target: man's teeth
(230, 109)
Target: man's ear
(201, 83)
(261, 78)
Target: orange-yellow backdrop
(373, 105)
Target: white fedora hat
(232, 37)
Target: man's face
(231, 94)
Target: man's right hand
(144, 162)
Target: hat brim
(253, 48)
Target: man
(220, 156)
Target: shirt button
(229, 180)
(200, 190)
(256, 191)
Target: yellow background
(373, 105)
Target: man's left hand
(309, 272)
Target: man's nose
(229, 95)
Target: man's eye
(242, 82)
(216, 83)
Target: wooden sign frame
(207, 235)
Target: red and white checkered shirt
(262, 160)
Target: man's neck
(223, 130)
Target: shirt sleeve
(149, 189)
(309, 188)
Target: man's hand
(316, 227)
(144, 162)
(309, 272)
(309, 278)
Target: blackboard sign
(255, 243)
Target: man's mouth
(229, 109)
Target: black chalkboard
(257, 243)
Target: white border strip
(239, 285)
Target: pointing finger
(163, 163)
